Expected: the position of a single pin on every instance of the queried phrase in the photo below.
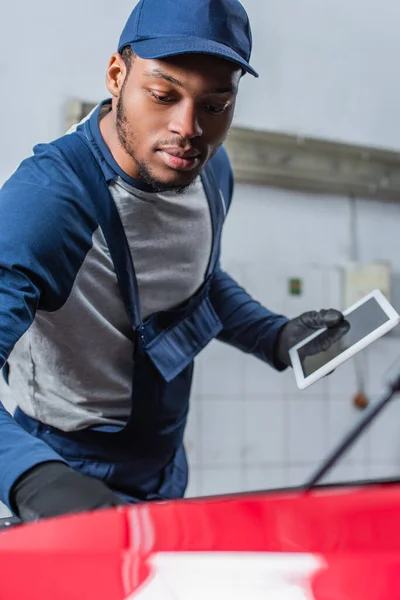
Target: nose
(185, 121)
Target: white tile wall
(298, 475)
(264, 282)
(343, 473)
(222, 481)
(264, 432)
(306, 430)
(382, 359)
(383, 470)
(384, 435)
(194, 488)
(260, 381)
(263, 478)
(342, 416)
(317, 391)
(222, 431)
(220, 371)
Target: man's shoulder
(46, 181)
(45, 195)
(46, 168)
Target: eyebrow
(160, 74)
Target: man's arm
(45, 234)
(28, 262)
(256, 330)
(247, 324)
(19, 451)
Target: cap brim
(172, 46)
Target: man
(110, 279)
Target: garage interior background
(322, 190)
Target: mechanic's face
(173, 114)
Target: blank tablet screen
(363, 320)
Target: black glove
(53, 488)
(301, 327)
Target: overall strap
(218, 210)
(79, 155)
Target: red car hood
(332, 544)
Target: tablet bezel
(394, 318)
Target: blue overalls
(145, 459)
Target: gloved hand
(301, 327)
(53, 488)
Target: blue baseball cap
(161, 28)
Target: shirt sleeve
(45, 233)
(247, 325)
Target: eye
(216, 110)
(163, 99)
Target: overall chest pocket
(172, 349)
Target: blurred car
(330, 543)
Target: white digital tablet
(369, 319)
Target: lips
(179, 160)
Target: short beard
(126, 138)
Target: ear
(116, 74)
